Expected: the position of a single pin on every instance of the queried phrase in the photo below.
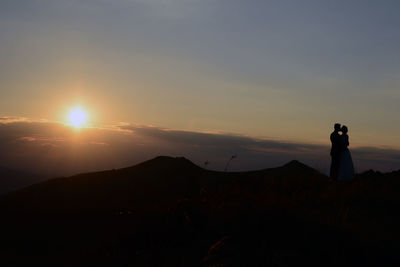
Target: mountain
(146, 186)
(152, 185)
(169, 211)
(11, 180)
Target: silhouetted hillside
(168, 211)
(11, 180)
(144, 187)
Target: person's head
(337, 127)
(344, 129)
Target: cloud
(53, 149)
(231, 142)
(27, 139)
(8, 119)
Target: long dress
(346, 166)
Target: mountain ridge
(11, 179)
(166, 178)
(175, 163)
(169, 211)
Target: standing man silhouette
(335, 152)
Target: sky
(274, 71)
(51, 149)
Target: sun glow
(77, 117)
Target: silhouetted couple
(342, 168)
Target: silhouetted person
(335, 152)
(346, 167)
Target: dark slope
(168, 211)
(11, 180)
(154, 184)
(147, 186)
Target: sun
(77, 117)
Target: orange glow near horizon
(77, 117)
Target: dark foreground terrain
(170, 212)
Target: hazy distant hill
(168, 211)
(11, 180)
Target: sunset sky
(280, 71)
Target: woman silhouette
(346, 167)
